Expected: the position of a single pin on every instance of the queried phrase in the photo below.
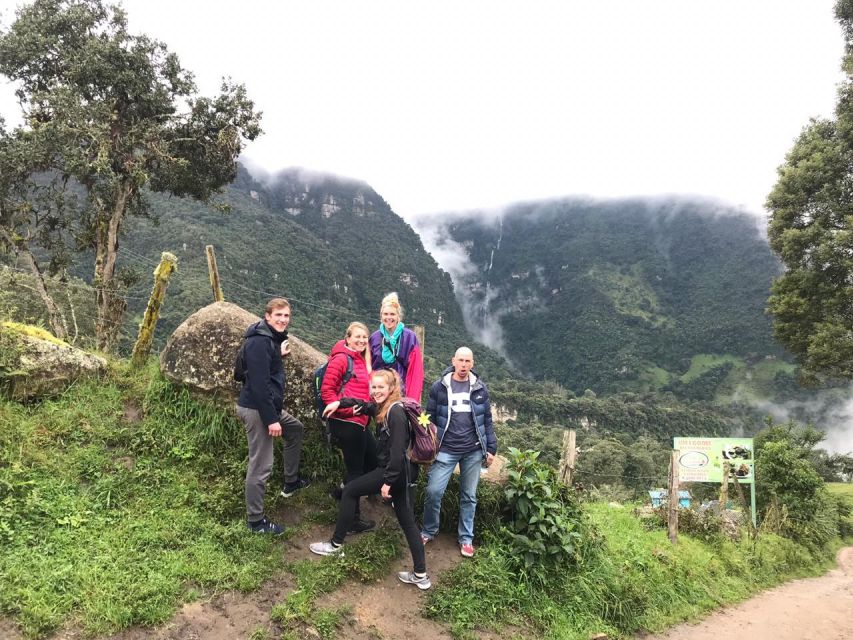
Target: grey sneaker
(290, 488)
(421, 582)
(326, 548)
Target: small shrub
(546, 523)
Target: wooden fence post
(672, 518)
(419, 332)
(168, 264)
(567, 459)
(746, 506)
(213, 272)
(724, 488)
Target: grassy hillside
(122, 499)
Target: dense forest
(622, 295)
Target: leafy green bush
(787, 479)
(545, 520)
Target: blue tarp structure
(660, 496)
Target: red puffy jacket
(357, 387)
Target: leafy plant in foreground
(546, 523)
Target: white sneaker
(326, 548)
(421, 582)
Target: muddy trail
(814, 608)
(386, 609)
(808, 609)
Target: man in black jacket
(260, 407)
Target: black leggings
(370, 483)
(358, 446)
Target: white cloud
(449, 106)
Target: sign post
(704, 460)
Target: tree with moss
(811, 229)
(115, 113)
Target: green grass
(637, 581)
(108, 524)
(704, 362)
(844, 489)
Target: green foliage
(810, 229)
(114, 112)
(638, 581)
(787, 479)
(619, 295)
(545, 520)
(110, 522)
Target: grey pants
(261, 447)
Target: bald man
(459, 405)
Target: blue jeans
(469, 478)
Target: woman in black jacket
(391, 478)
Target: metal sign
(701, 459)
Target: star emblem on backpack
(423, 419)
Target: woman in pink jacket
(348, 426)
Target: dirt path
(809, 609)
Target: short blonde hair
(391, 300)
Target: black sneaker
(360, 526)
(291, 488)
(336, 494)
(265, 525)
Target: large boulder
(200, 354)
(35, 364)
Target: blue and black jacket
(438, 407)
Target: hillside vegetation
(623, 295)
(122, 498)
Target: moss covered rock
(34, 363)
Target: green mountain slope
(618, 295)
(332, 246)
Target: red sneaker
(467, 550)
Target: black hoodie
(264, 386)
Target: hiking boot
(360, 526)
(327, 548)
(291, 488)
(421, 582)
(466, 549)
(265, 525)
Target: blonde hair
(393, 381)
(366, 353)
(391, 300)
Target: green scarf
(390, 344)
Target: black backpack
(319, 374)
(240, 368)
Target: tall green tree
(33, 219)
(116, 113)
(811, 229)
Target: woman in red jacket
(347, 425)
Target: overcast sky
(458, 105)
